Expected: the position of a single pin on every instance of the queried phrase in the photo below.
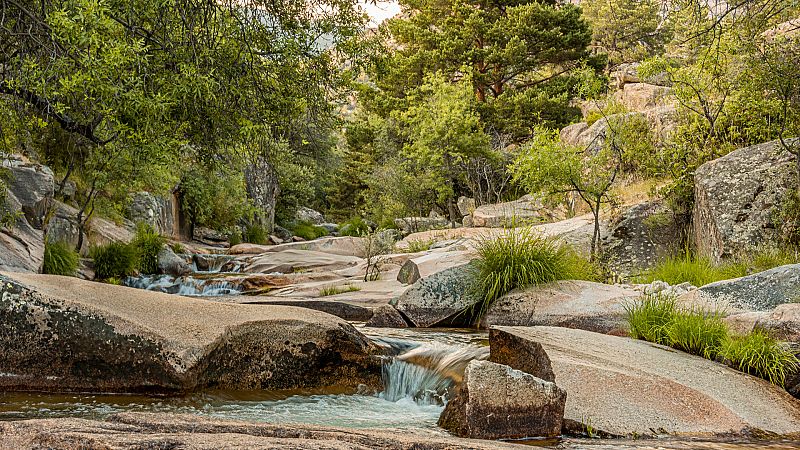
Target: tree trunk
(596, 232)
(263, 188)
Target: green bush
(308, 231)
(147, 244)
(60, 259)
(420, 245)
(697, 332)
(255, 234)
(354, 227)
(115, 260)
(650, 316)
(760, 355)
(519, 258)
(235, 238)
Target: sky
(381, 11)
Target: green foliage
(178, 248)
(254, 234)
(308, 231)
(626, 30)
(115, 260)
(697, 332)
(235, 237)
(788, 220)
(687, 267)
(7, 217)
(760, 355)
(656, 318)
(419, 245)
(214, 198)
(520, 258)
(147, 244)
(354, 227)
(335, 290)
(609, 107)
(60, 259)
(650, 316)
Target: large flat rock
(573, 304)
(65, 334)
(168, 431)
(627, 387)
(293, 260)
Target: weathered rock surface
(305, 214)
(520, 353)
(426, 265)
(438, 297)
(737, 199)
(342, 245)
(288, 261)
(626, 387)
(171, 264)
(525, 211)
(386, 317)
(32, 185)
(188, 432)
(21, 246)
(641, 237)
(465, 205)
(417, 224)
(662, 121)
(153, 210)
(63, 226)
(761, 291)
(495, 401)
(573, 304)
(640, 97)
(92, 337)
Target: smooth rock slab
(626, 387)
(573, 304)
(438, 297)
(495, 401)
(64, 334)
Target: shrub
(760, 355)
(115, 260)
(59, 259)
(235, 238)
(255, 234)
(308, 231)
(697, 332)
(355, 227)
(148, 244)
(650, 316)
(519, 258)
(334, 290)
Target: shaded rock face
(83, 336)
(439, 297)
(641, 237)
(625, 387)
(63, 226)
(738, 198)
(171, 264)
(643, 96)
(22, 246)
(527, 210)
(153, 210)
(761, 291)
(573, 304)
(387, 317)
(520, 354)
(33, 186)
(495, 401)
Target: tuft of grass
(519, 258)
(698, 271)
(114, 261)
(255, 234)
(354, 227)
(235, 238)
(697, 332)
(147, 244)
(335, 290)
(420, 245)
(308, 231)
(178, 248)
(650, 316)
(60, 259)
(760, 355)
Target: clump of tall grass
(59, 259)
(114, 261)
(419, 245)
(147, 244)
(657, 318)
(335, 290)
(520, 257)
(760, 355)
(308, 231)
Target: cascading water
(197, 284)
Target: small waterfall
(428, 372)
(188, 285)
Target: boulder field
(64, 334)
